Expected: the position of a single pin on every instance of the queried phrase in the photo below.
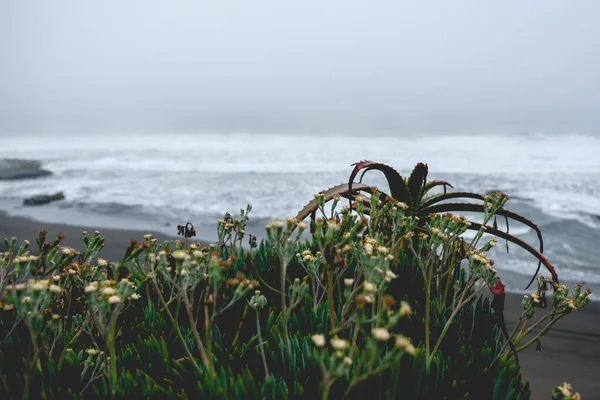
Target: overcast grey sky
(305, 66)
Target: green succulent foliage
(156, 341)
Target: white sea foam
(206, 173)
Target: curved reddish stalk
(475, 226)
(468, 207)
(343, 190)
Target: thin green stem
(260, 345)
(177, 330)
(208, 328)
(539, 335)
(330, 296)
(448, 323)
(199, 344)
(113, 354)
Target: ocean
(156, 181)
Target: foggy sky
(340, 66)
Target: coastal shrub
(382, 300)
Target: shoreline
(571, 350)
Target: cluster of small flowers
(482, 259)
(25, 259)
(92, 351)
(109, 292)
(578, 300)
(306, 256)
(181, 255)
(566, 391)
(436, 232)
(339, 345)
(241, 280)
(198, 254)
(380, 334)
(34, 285)
(457, 219)
(401, 205)
(68, 251)
(373, 248)
(225, 224)
(102, 263)
(277, 224)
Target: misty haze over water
(307, 67)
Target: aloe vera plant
(414, 193)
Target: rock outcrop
(21, 169)
(43, 199)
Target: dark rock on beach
(43, 199)
(21, 169)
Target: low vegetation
(385, 299)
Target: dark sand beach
(571, 350)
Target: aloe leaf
(431, 184)
(398, 188)
(416, 181)
(448, 196)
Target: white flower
(318, 340)
(369, 287)
(20, 287)
(135, 296)
(66, 251)
(369, 299)
(56, 277)
(405, 308)
(389, 274)
(348, 361)
(26, 300)
(277, 224)
(381, 334)
(403, 343)
(181, 255)
(332, 226)
(37, 287)
(55, 289)
(339, 344)
(198, 254)
(92, 351)
(184, 272)
(348, 282)
(102, 262)
(108, 291)
(148, 236)
(92, 287)
(114, 299)
(402, 205)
